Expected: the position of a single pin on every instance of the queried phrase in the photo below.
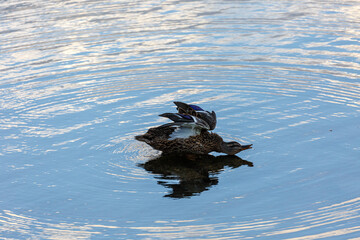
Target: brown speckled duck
(189, 133)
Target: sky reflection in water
(80, 79)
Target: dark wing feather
(194, 110)
(184, 108)
(210, 118)
(176, 117)
(186, 120)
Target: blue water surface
(79, 79)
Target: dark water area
(80, 79)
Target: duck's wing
(188, 121)
(190, 109)
(194, 110)
(209, 117)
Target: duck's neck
(224, 148)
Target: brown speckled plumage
(158, 138)
(204, 143)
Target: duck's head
(232, 148)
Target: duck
(189, 133)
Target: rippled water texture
(79, 79)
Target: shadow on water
(195, 173)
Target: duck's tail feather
(140, 138)
(160, 132)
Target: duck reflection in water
(195, 173)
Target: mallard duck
(189, 133)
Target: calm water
(79, 79)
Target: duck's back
(159, 138)
(163, 138)
(203, 143)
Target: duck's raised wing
(194, 110)
(187, 120)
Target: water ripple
(80, 78)
(322, 222)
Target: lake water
(79, 79)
